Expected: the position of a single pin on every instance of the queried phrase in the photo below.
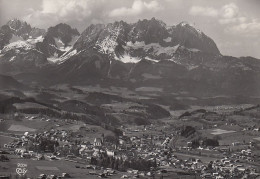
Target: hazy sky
(233, 24)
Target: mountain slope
(58, 40)
(17, 43)
(150, 39)
(190, 37)
(142, 55)
(16, 30)
(7, 82)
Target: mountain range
(147, 53)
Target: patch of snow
(191, 67)
(53, 59)
(12, 28)
(174, 60)
(135, 45)
(199, 31)
(39, 39)
(170, 60)
(193, 49)
(12, 59)
(35, 40)
(108, 44)
(18, 44)
(126, 58)
(184, 23)
(63, 58)
(65, 49)
(59, 43)
(53, 46)
(61, 46)
(168, 39)
(153, 60)
(68, 55)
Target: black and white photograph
(149, 89)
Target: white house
(97, 142)
(110, 153)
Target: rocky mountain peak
(147, 52)
(62, 31)
(58, 40)
(152, 22)
(149, 31)
(19, 26)
(151, 39)
(18, 30)
(188, 36)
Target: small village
(136, 153)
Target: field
(229, 134)
(28, 105)
(220, 131)
(24, 125)
(149, 89)
(5, 140)
(35, 168)
(21, 128)
(75, 170)
(48, 168)
(55, 167)
(258, 138)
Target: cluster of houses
(227, 168)
(27, 139)
(147, 147)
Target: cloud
(237, 23)
(81, 13)
(53, 12)
(203, 11)
(229, 15)
(69, 8)
(137, 8)
(230, 11)
(232, 20)
(251, 28)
